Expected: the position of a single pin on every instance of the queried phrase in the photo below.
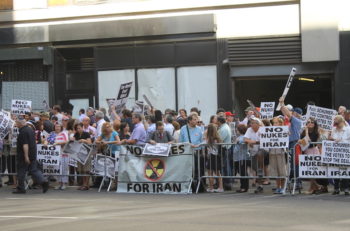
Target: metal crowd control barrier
(311, 167)
(226, 161)
(8, 167)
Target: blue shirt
(196, 135)
(112, 147)
(139, 134)
(295, 127)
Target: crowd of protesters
(230, 145)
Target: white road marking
(40, 217)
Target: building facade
(180, 54)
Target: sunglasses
(310, 122)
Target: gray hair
(138, 116)
(99, 115)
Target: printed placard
(274, 137)
(158, 149)
(49, 157)
(20, 107)
(122, 96)
(323, 116)
(267, 110)
(335, 152)
(311, 167)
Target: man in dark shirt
(26, 157)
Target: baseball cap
(298, 110)
(290, 107)
(228, 113)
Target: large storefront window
(197, 87)
(109, 83)
(159, 87)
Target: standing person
(241, 159)
(340, 133)
(294, 135)
(214, 165)
(232, 124)
(151, 121)
(56, 111)
(99, 122)
(182, 118)
(176, 135)
(168, 124)
(277, 161)
(110, 138)
(127, 117)
(82, 114)
(160, 135)
(252, 138)
(48, 125)
(26, 154)
(88, 128)
(193, 134)
(138, 135)
(83, 137)
(105, 114)
(249, 113)
(312, 134)
(124, 133)
(341, 111)
(90, 112)
(225, 152)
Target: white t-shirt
(169, 128)
(99, 127)
(252, 135)
(342, 135)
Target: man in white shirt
(99, 122)
(168, 124)
(56, 111)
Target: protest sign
(14, 135)
(323, 116)
(122, 97)
(310, 167)
(138, 107)
(274, 137)
(49, 157)
(104, 166)
(335, 152)
(6, 124)
(20, 107)
(148, 174)
(78, 151)
(288, 85)
(158, 149)
(267, 109)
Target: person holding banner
(83, 137)
(160, 135)
(340, 133)
(311, 134)
(212, 138)
(26, 158)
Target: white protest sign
(288, 84)
(49, 157)
(267, 109)
(310, 166)
(122, 96)
(104, 166)
(158, 149)
(6, 124)
(274, 137)
(323, 116)
(20, 107)
(335, 152)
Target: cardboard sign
(335, 152)
(267, 109)
(323, 116)
(274, 137)
(20, 107)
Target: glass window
(159, 87)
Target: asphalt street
(90, 210)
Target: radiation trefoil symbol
(154, 169)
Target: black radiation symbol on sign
(154, 169)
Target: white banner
(6, 124)
(324, 116)
(79, 151)
(335, 153)
(122, 97)
(158, 149)
(310, 166)
(267, 109)
(164, 175)
(49, 157)
(20, 107)
(274, 137)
